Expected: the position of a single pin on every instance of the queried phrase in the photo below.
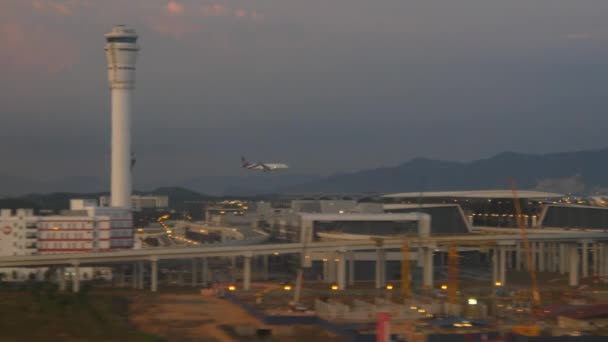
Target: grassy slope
(41, 313)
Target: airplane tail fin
(244, 161)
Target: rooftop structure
(493, 208)
(507, 194)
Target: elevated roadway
(342, 243)
(349, 242)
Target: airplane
(265, 167)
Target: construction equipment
(454, 266)
(526, 243)
(453, 270)
(406, 290)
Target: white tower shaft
(121, 148)
(121, 54)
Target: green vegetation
(40, 312)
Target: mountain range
(568, 172)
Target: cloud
(594, 35)
(176, 30)
(59, 7)
(579, 36)
(219, 10)
(175, 8)
(173, 20)
(214, 10)
(240, 13)
(32, 48)
(255, 16)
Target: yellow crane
(453, 270)
(524, 237)
(406, 290)
(454, 266)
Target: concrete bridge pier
(518, 254)
(264, 267)
(534, 250)
(233, 269)
(204, 271)
(602, 261)
(61, 278)
(585, 258)
(351, 269)
(503, 265)
(341, 272)
(247, 272)
(380, 268)
(76, 278)
(141, 269)
(562, 258)
(332, 269)
(550, 257)
(154, 274)
(326, 270)
(134, 277)
(495, 272)
(573, 276)
(541, 257)
(194, 272)
(595, 259)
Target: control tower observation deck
(121, 54)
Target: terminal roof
(477, 194)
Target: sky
(324, 85)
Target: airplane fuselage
(265, 167)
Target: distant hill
(251, 183)
(54, 201)
(248, 184)
(178, 194)
(570, 172)
(179, 198)
(12, 186)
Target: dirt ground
(188, 317)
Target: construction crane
(406, 290)
(524, 237)
(453, 270)
(454, 266)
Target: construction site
(492, 265)
(428, 273)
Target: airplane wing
(265, 167)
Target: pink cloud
(174, 21)
(255, 16)
(215, 10)
(219, 10)
(33, 48)
(240, 13)
(175, 7)
(59, 7)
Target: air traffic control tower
(121, 54)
